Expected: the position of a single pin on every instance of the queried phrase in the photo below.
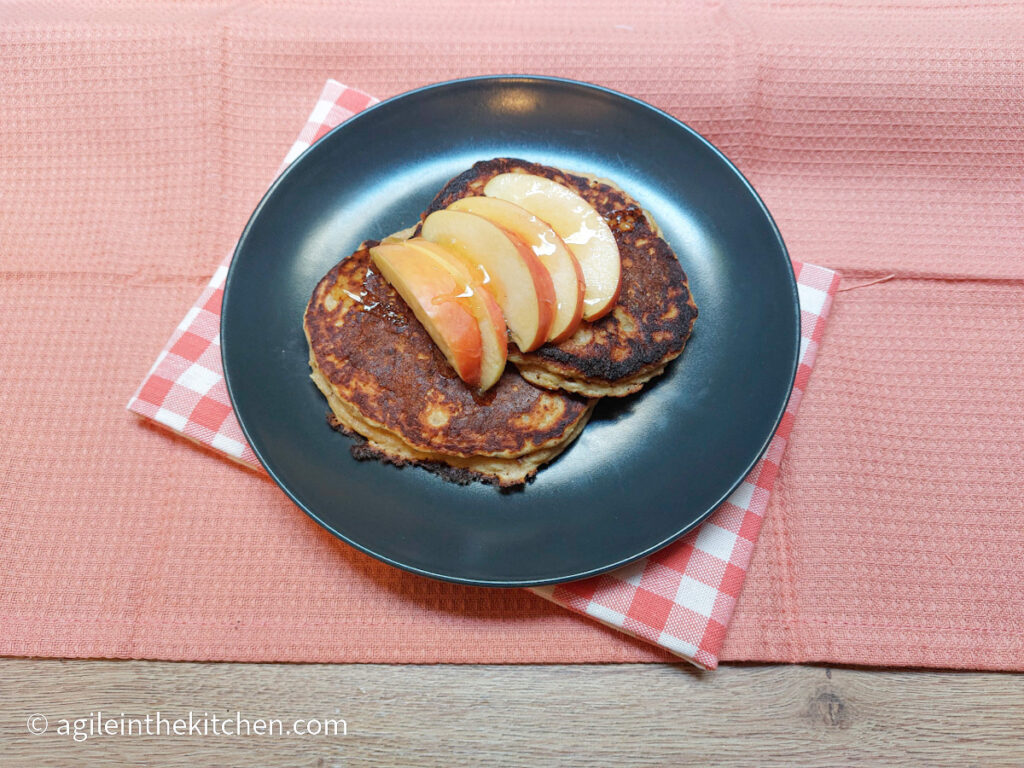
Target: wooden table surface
(597, 715)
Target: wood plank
(644, 714)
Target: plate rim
(522, 79)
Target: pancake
(616, 355)
(386, 381)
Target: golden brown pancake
(654, 316)
(386, 380)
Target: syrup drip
(582, 236)
(545, 247)
(378, 305)
(445, 298)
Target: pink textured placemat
(885, 141)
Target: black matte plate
(647, 468)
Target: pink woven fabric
(185, 389)
(680, 599)
(885, 138)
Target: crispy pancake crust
(386, 380)
(655, 313)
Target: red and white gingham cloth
(680, 598)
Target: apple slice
(438, 299)
(506, 266)
(580, 227)
(566, 275)
(493, 333)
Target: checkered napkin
(680, 598)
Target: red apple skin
(509, 270)
(433, 294)
(545, 289)
(577, 317)
(567, 214)
(493, 331)
(569, 289)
